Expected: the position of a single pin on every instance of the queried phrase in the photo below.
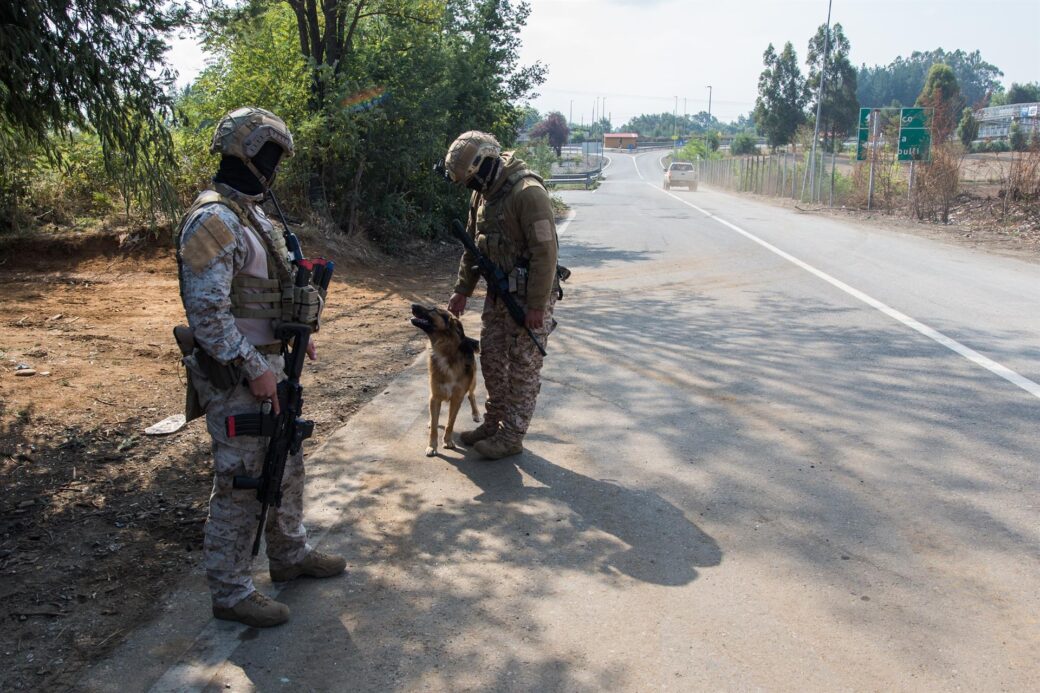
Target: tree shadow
(648, 538)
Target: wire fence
(779, 175)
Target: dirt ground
(97, 520)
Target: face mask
(485, 175)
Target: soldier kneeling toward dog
(234, 273)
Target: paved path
(773, 451)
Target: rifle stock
(496, 279)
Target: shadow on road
(648, 538)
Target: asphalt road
(773, 451)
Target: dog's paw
(476, 417)
(430, 452)
(450, 444)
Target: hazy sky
(641, 54)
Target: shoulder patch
(543, 231)
(208, 242)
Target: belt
(269, 349)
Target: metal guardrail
(587, 178)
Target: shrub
(743, 144)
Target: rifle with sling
(286, 429)
(497, 281)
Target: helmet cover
(467, 153)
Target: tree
(781, 96)
(1023, 93)
(941, 93)
(69, 65)
(902, 80)
(554, 127)
(713, 140)
(840, 106)
(743, 144)
(1017, 137)
(968, 128)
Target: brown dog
(453, 368)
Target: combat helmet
(243, 132)
(468, 154)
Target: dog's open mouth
(421, 320)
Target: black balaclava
(234, 173)
(485, 175)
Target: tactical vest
(494, 240)
(276, 292)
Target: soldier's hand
(266, 388)
(457, 304)
(534, 318)
(312, 351)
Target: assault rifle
(286, 429)
(497, 281)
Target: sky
(637, 56)
(641, 54)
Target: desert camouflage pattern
(511, 365)
(231, 524)
(244, 131)
(214, 247)
(466, 154)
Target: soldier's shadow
(650, 539)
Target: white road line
(637, 168)
(565, 223)
(975, 357)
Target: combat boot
(314, 565)
(257, 610)
(498, 446)
(481, 432)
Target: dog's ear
(469, 346)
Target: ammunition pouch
(307, 305)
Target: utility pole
(675, 116)
(604, 109)
(709, 104)
(811, 172)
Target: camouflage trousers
(234, 513)
(510, 364)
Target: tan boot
(498, 446)
(481, 432)
(257, 610)
(315, 565)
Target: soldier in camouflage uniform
(512, 221)
(233, 267)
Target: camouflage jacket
(214, 247)
(514, 225)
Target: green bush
(743, 144)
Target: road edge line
(953, 345)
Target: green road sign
(864, 134)
(861, 145)
(912, 118)
(915, 145)
(915, 140)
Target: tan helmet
(244, 131)
(467, 153)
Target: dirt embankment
(98, 520)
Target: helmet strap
(485, 175)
